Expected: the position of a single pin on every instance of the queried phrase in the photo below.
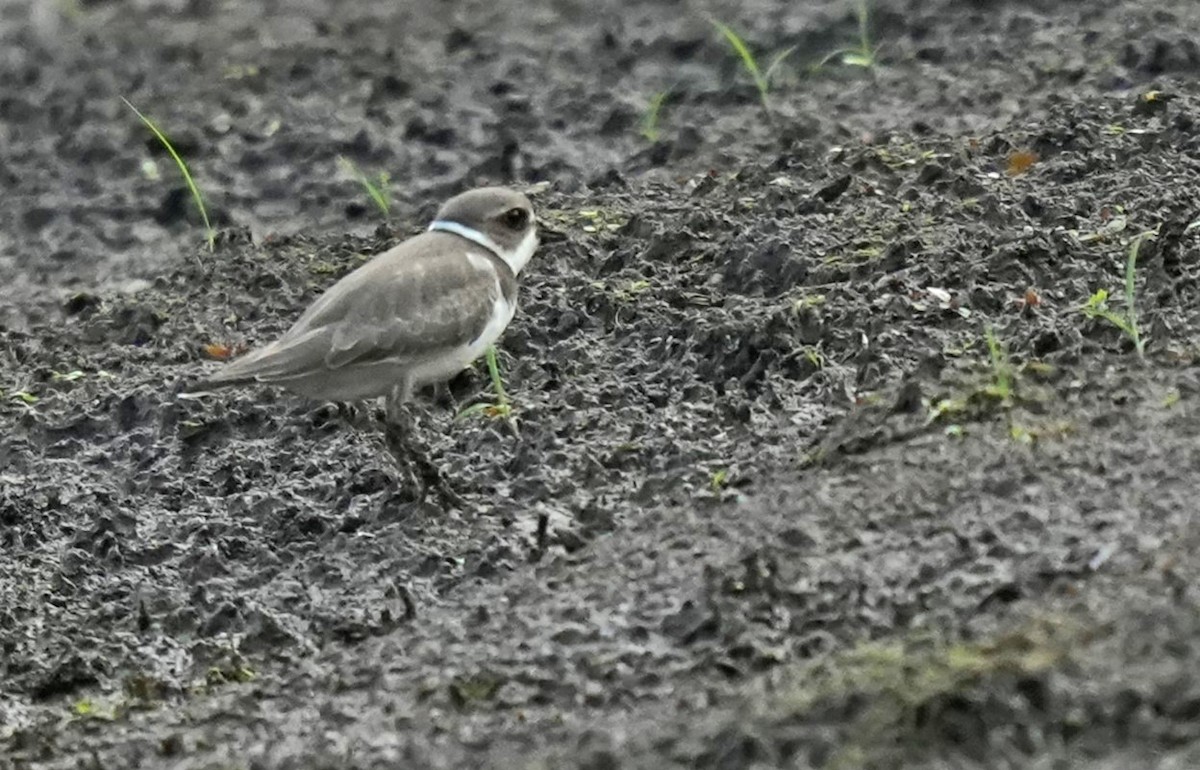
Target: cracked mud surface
(793, 516)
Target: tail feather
(211, 385)
(281, 360)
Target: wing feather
(403, 306)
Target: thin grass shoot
(376, 191)
(1001, 387)
(864, 53)
(762, 78)
(502, 408)
(197, 198)
(1125, 319)
(650, 119)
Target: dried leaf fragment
(1020, 162)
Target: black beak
(548, 234)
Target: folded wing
(401, 307)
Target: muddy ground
(798, 512)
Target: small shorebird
(416, 314)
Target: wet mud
(822, 460)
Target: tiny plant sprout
(650, 119)
(762, 78)
(1001, 387)
(377, 192)
(502, 409)
(25, 397)
(197, 198)
(862, 54)
(1126, 319)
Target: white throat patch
(521, 255)
(516, 259)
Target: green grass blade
(377, 193)
(778, 60)
(748, 60)
(863, 12)
(502, 408)
(858, 59)
(210, 234)
(650, 119)
(999, 361)
(1131, 277)
(1135, 246)
(864, 54)
(493, 366)
(831, 56)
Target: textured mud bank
(796, 510)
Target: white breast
(454, 361)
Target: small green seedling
(1000, 391)
(86, 708)
(377, 192)
(218, 676)
(197, 198)
(649, 128)
(1127, 319)
(502, 409)
(762, 78)
(1001, 387)
(863, 54)
(718, 480)
(24, 396)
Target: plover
(416, 314)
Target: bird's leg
(400, 435)
(394, 405)
(396, 432)
(443, 392)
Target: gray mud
(774, 501)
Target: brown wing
(424, 297)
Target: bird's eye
(516, 218)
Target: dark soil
(775, 501)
